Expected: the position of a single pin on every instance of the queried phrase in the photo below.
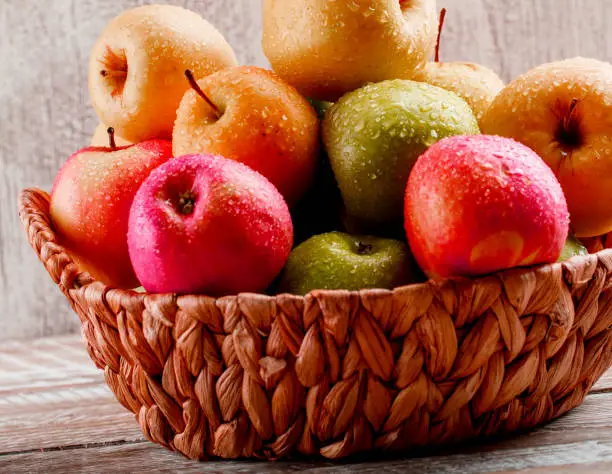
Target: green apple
(339, 261)
(573, 248)
(375, 134)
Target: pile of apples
(356, 164)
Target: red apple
(479, 204)
(90, 205)
(206, 224)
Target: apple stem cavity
(440, 29)
(364, 249)
(194, 85)
(186, 203)
(569, 118)
(114, 70)
(111, 138)
(570, 131)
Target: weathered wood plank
(51, 395)
(85, 416)
(143, 457)
(595, 468)
(45, 364)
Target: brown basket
(337, 373)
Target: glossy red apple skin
(476, 205)
(235, 237)
(90, 206)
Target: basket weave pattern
(337, 373)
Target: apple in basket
(339, 261)
(375, 134)
(206, 224)
(250, 115)
(90, 205)
(479, 204)
(563, 111)
(136, 67)
(326, 49)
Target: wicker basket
(337, 373)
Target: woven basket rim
(83, 278)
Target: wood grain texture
(56, 415)
(53, 383)
(595, 468)
(143, 458)
(45, 113)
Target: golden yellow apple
(563, 111)
(327, 48)
(476, 84)
(136, 68)
(101, 138)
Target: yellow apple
(101, 138)
(136, 68)
(563, 111)
(327, 48)
(476, 84)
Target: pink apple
(479, 204)
(90, 205)
(206, 224)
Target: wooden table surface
(57, 415)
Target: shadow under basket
(340, 373)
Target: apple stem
(111, 138)
(440, 28)
(107, 73)
(364, 249)
(187, 203)
(194, 85)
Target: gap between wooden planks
(56, 414)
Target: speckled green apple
(339, 261)
(375, 135)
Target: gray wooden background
(45, 113)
